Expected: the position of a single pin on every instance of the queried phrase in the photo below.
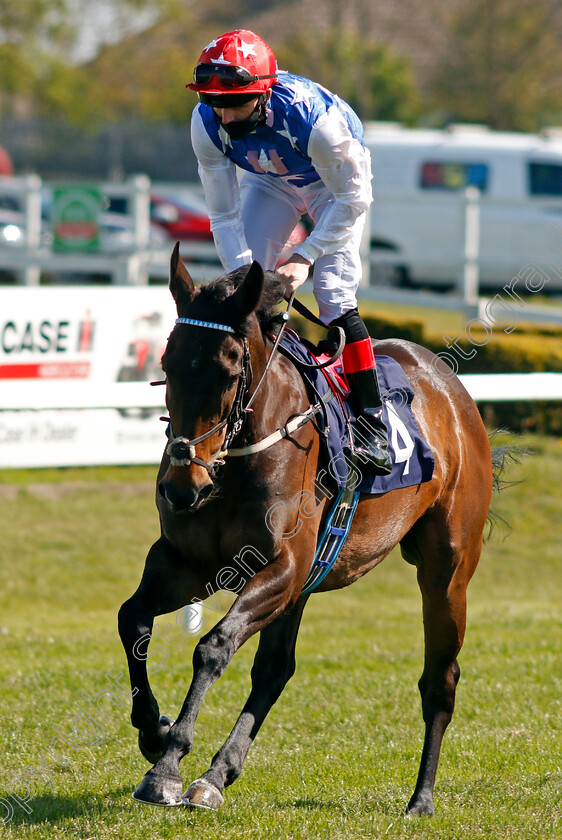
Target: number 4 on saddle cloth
(412, 458)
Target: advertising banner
(75, 217)
(82, 339)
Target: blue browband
(195, 323)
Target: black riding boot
(370, 435)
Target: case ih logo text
(50, 340)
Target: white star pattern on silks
(266, 163)
(210, 46)
(301, 93)
(286, 133)
(246, 49)
(224, 138)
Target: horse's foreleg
(135, 628)
(443, 579)
(262, 600)
(164, 587)
(274, 665)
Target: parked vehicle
(6, 165)
(180, 214)
(116, 236)
(11, 231)
(419, 181)
(116, 232)
(184, 217)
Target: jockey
(300, 149)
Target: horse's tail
(502, 456)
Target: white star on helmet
(246, 49)
(221, 59)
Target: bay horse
(214, 507)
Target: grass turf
(339, 753)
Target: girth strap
(333, 534)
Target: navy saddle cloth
(412, 458)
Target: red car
(182, 219)
(186, 218)
(6, 166)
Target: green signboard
(76, 218)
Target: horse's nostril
(183, 498)
(205, 492)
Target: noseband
(181, 449)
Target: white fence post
(140, 200)
(471, 272)
(136, 264)
(32, 209)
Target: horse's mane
(267, 313)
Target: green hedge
(524, 350)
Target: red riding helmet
(236, 62)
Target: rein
(182, 450)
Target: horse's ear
(247, 295)
(181, 284)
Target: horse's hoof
(422, 806)
(151, 755)
(202, 794)
(159, 790)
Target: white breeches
(270, 210)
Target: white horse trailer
(420, 177)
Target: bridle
(182, 450)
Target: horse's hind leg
(165, 586)
(445, 567)
(274, 665)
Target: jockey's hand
(296, 270)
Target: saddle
(413, 461)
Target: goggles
(228, 75)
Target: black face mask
(240, 128)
